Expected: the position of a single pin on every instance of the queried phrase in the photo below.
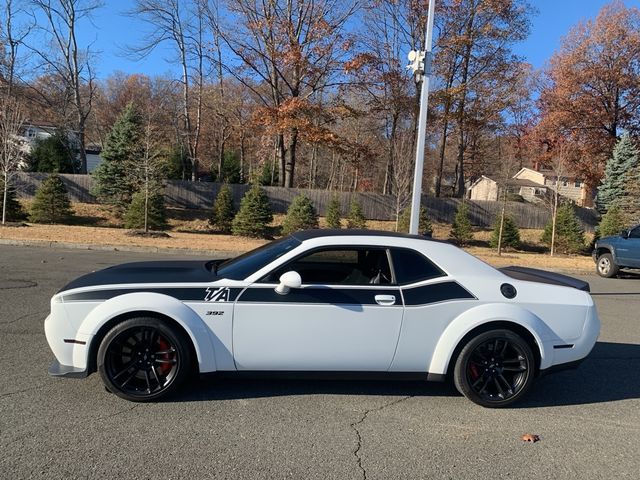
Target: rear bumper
(56, 369)
(561, 367)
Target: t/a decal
(217, 295)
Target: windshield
(241, 267)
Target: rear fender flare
(163, 305)
(485, 314)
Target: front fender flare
(482, 315)
(163, 305)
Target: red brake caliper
(473, 370)
(164, 345)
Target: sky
(113, 30)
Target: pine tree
(53, 155)
(424, 224)
(461, 230)
(612, 222)
(51, 203)
(510, 233)
(254, 216)
(301, 215)
(113, 184)
(333, 213)
(14, 210)
(569, 232)
(630, 201)
(624, 159)
(156, 214)
(356, 218)
(223, 212)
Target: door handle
(385, 299)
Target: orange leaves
(530, 437)
(359, 62)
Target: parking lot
(588, 419)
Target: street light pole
(422, 121)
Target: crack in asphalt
(26, 315)
(8, 394)
(354, 427)
(120, 412)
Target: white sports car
(324, 301)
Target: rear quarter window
(411, 267)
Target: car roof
(318, 233)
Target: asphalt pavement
(588, 419)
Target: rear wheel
(143, 359)
(495, 368)
(606, 267)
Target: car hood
(197, 271)
(608, 239)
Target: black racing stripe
(319, 295)
(434, 293)
(201, 294)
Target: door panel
(316, 328)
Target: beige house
(534, 186)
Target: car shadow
(606, 375)
(610, 373)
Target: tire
(494, 369)
(143, 359)
(606, 267)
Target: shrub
(14, 210)
(356, 218)
(612, 222)
(156, 214)
(424, 224)
(301, 215)
(51, 203)
(53, 155)
(333, 213)
(569, 232)
(510, 233)
(461, 230)
(254, 216)
(223, 212)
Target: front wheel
(606, 267)
(143, 359)
(495, 368)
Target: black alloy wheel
(143, 359)
(495, 368)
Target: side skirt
(324, 375)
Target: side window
(410, 266)
(635, 233)
(339, 266)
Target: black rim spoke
(132, 363)
(497, 369)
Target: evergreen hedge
(223, 212)
(301, 215)
(254, 216)
(51, 203)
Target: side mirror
(288, 281)
(624, 234)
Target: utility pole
(421, 66)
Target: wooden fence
(200, 195)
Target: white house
(532, 185)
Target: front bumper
(56, 369)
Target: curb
(117, 248)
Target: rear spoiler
(542, 276)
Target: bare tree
(13, 33)
(288, 51)
(11, 145)
(71, 64)
(181, 23)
